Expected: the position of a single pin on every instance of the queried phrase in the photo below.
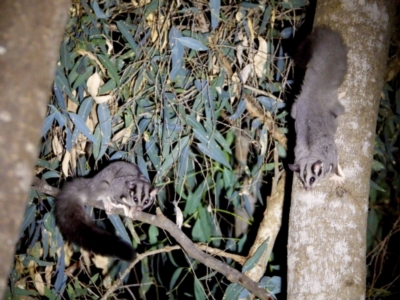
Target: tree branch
(231, 274)
(30, 35)
(139, 257)
(188, 246)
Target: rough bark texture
(327, 227)
(30, 35)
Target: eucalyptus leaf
(153, 234)
(85, 108)
(20, 293)
(119, 155)
(197, 232)
(68, 139)
(198, 290)
(175, 154)
(61, 117)
(249, 5)
(153, 152)
(215, 6)
(287, 32)
(47, 123)
(174, 34)
(184, 161)
(233, 291)
(194, 199)
(373, 225)
(142, 166)
(175, 277)
(281, 150)
(205, 223)
(50, 175)
(59, 96)
(112, 70)
(82, 127)
(126, 33)
(245, 295)
(45, 242)
(116, 221)
(61, 277)
(29, 218)
(265, 21)
(375, 186)
(253, 260)
(220, 139)
(293, 4)
(82, 78)
(103, 112)
(97, 146)
(239, 111)
(377, 166)
(49, 222)
(215, 154)
(177, 51)
(40, 262)
(280, 64)
(270, 104)
(272, 284)
(61, 83)
(192, 43)
(107, 87)
(97, 10)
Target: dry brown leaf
(39, 284)
(89, 124)
(102, 99)
(86, 259)
(73, 158)
(239, 16)
(109, 45)
(57, 147)
(124, 134)
(140, 3)
(107, 282)
(94, 83)
(93, 114)
(237, 86)
(65, 163)
(101, 262)
(72, 106)
(261, 58)
(246, 72)
(251, 29)
(19, 266)
(67, 253)
(48, 272)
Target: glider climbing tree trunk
(30, 36)
(327, 227)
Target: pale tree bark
(327, 227)
(30, 36)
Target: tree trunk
(327, 227)
(30, 35)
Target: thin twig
(191, 250)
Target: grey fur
(317, 108)
(118, 183)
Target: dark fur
(113, 184)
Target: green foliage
(383, 217)
(252, 261)
(146, 83)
